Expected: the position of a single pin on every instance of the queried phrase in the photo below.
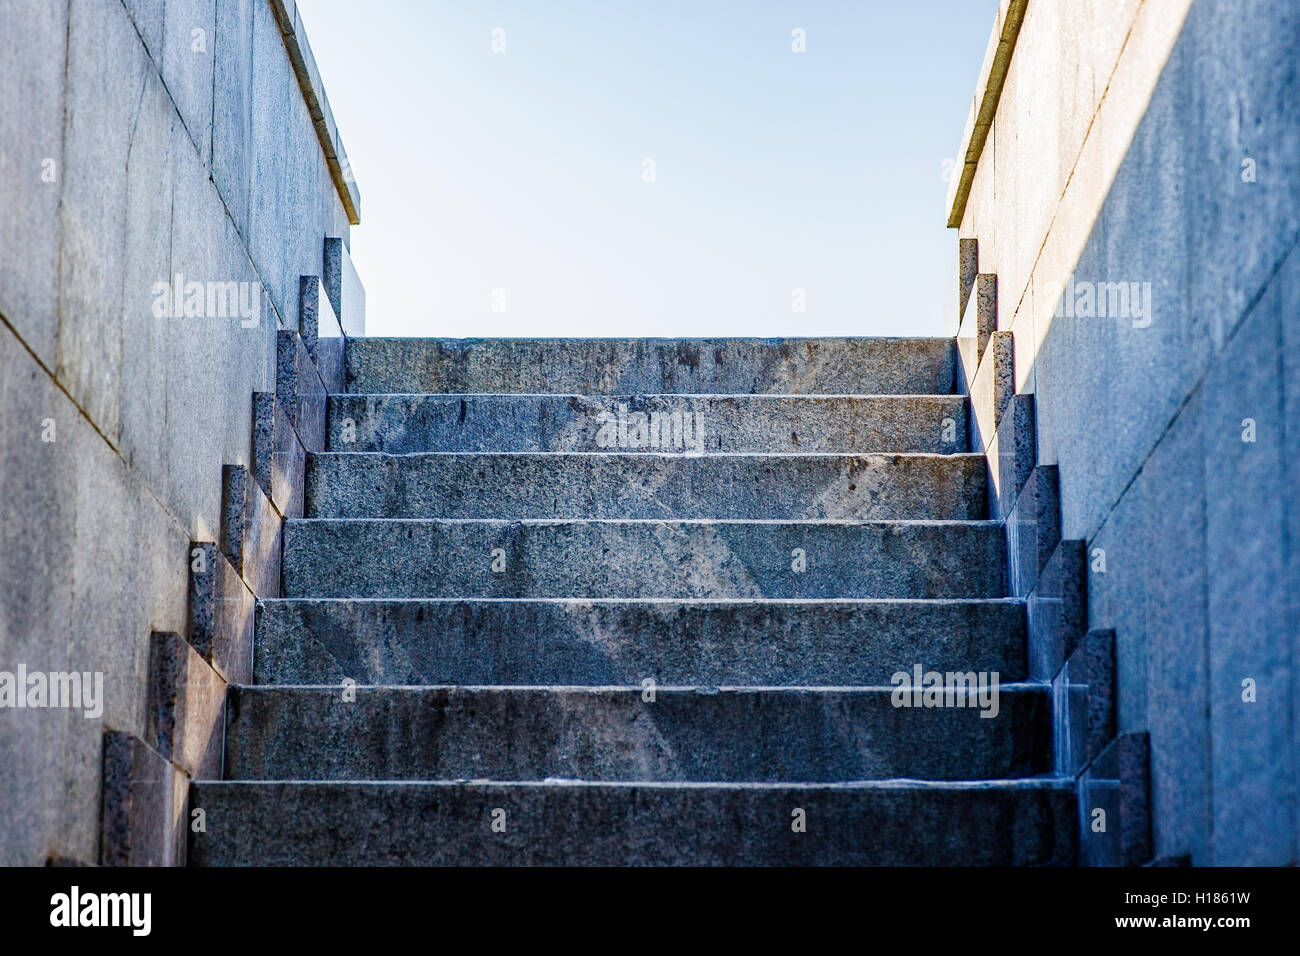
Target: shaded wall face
(1174, 424)
(139, 141)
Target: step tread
(887, 822)
(648, 366)
(576, 485)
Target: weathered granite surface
(647, 366)
(187, 705)
(1022, 822)
(402, 424)
(723, 559)
(599, 485)
(533, 642)
(793, 735)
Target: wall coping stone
(313, 93)
(993, 73)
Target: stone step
(839, 366)
(377, 557)
(792, 735)
(1008, 823)
(738, 424)
(599, 485)
(609, 642)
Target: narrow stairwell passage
(640, 602)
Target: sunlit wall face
(675, 168)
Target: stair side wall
(1157, 146)
(141, 141)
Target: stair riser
(403, 424)
(877, 487)
(610, 643)
(792, 736)
(642, 559)
(448, 824)
(653, 366)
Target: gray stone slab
(862, 366)
(1288, 280)
(1033, 528)
(321, 333)
(1116, 594)
(250, 532)
(986, 310)
(1173, 569)
(222, 613)
(718, 559)
(764, 643)
(1084, 703)
(346, 293)
(1239, 66)
(968, 257)
(991, 389)
(144, 797)
(108, 72)
(279, 460)
(299, 388)
(880, 823)
(792, 735)
(1249, 630)
(186, 708)
(232, 114)
(189, 40)
(1118, 785)
(33, 63)
(1012, 455)
(796, 487)
(733, 424)
(1057, 610)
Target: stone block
(740, 487)
(643, 559)
(991, 389)
(321, 332)
(279, 460)
(250, 531)
(222, 610)
(298, 387)
(1033, 528)
(968, 260)
(144, 800)
(107, 72)
(612, 642)
(1057, 610)
(986, 310)
(232, 113)
(1114, 805)
(1251, 683)
(734, 424)
(189, 39)
(1171, 562)
(793, 366)
(346, 293)
(772, 735)
(186, 707)
(33, 65)
(1084, 703)
(1012, 455)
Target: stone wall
(1156, 143)
(142, 140)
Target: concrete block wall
(1157, 142)
(141, 140)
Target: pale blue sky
(523, 171)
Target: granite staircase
(639, 602)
